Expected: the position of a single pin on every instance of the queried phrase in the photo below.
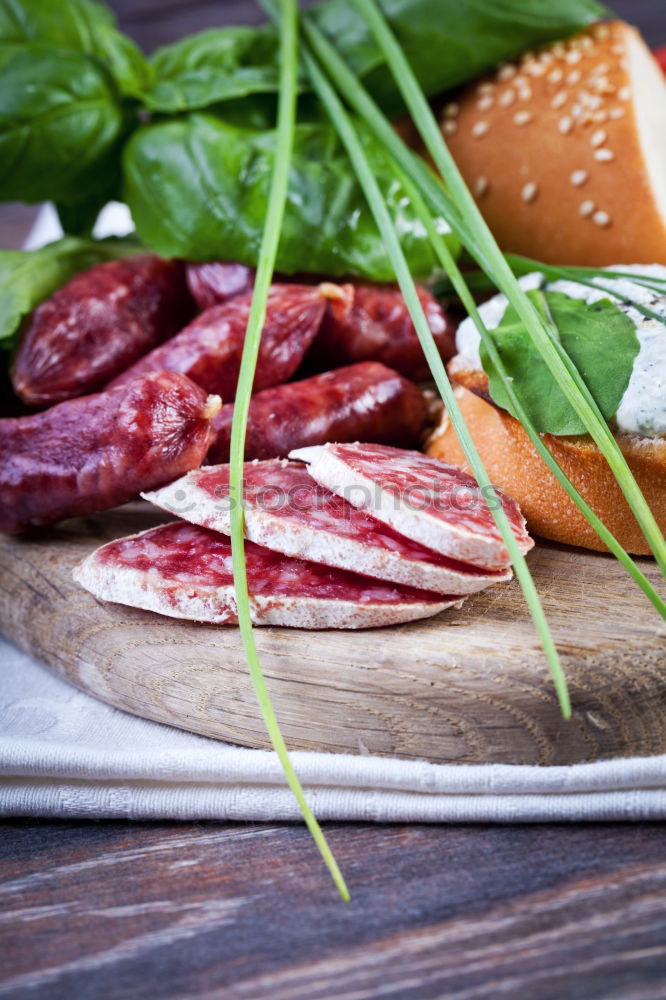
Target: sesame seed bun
(513, 464)
(565, 151)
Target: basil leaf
(600, 340)
(27, 277)
(81, 26)
(59, 121)
(214, 178)
(213, 66)
(448, 41)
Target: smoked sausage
(88, 454)
(212, 283)
(209, 350)
(372, 323)
(367, 402)
(98, 324)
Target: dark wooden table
(232, 910)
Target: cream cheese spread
(642, 409)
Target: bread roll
(565, 151)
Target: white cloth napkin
(65, 754)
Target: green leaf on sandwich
(600, 340)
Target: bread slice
(565, 151)
(513, 464)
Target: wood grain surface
(470, 685)
(232, 912)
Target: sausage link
(363, 402)
(98, 324)
(372, 323)
(209, 349)
(213, 283)
(88, 454)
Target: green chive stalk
(352, 89)
(266, 262)
(458, 282)
(565, 373)
(589, 278)
(350, 139)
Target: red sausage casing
(88, 454)
(212, 283)
(372, 323)
(366, 402)
(209, 349)
(98, 324)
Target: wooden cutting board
(469, 686)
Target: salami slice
(288, 512)
(184, 571)
(433, 503)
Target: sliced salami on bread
(185, 571)
(287, 511)
(422, 498)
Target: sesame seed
(451, 110)
(450, 127)
(525, 93)
(578, 177)
(556, 75)
(618, 49)
(573, 77)
(576, 110)
(479, 129)
(587, 42)
(486, 88)
(598, 138)
(523, 117)
(592, 100)
(565, 125)
(485, 103)
(602, 31)
(559, 100)
(604, 155)
(536, 69)
(616, 113)
(602, 219)
(529, 192)
(520, 81)
(506, 72)
(587, 208)
(603, 85)
(481, 186)
(507, 98)
(624, 93)
(546, 58)
(573, 56)
(558, 50)
(600, 117)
